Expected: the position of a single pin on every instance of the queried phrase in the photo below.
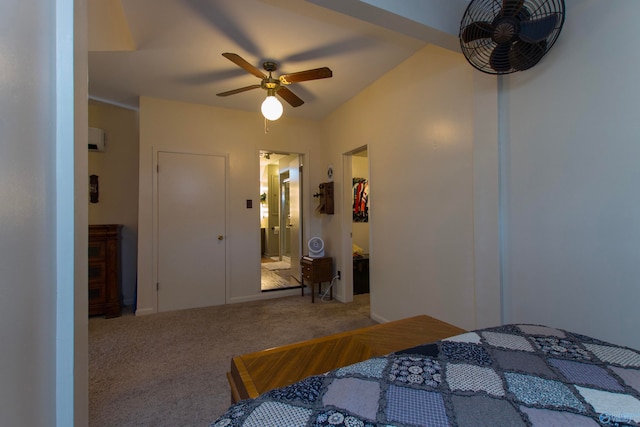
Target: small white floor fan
(316, 247)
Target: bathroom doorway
(280, 220)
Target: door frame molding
(154, 221)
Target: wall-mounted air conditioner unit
(96, 139)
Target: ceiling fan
(271, 107)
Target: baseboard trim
(379, 319)
(236, 300)
(144, 311)
(265, 295)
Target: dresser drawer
(97, 272)
(97, 250)
(307, 271)
(97, 294)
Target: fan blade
(499, 59)
(240, 62)
(511, 7)
(242, 89)
(290, 97)
(538, 29)
(302, 76)
(477, 30)
(525, 55)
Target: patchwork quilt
(511, 375)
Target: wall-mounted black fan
(505, 36)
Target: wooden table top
(255, 373)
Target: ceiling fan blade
(290, 97)
(525, 55)
(500, 60)
(538, 29)
(242, 89)
(240, 62)
(477, 30)
(302, 76)
(511, 7)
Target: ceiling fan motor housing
(270, 66)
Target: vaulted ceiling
(172, 49)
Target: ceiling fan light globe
(271, 108)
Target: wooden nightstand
(317, 270)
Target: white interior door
(191, 231)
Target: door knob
(220, 237)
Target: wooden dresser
(104, 270)
(316, 270)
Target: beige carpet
(168, 369)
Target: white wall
(169, 125)
(39, 329)
(572, 170)
(417, 122)
(117, 169)
(27, 215)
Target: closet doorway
(356, 222)
(280, 220)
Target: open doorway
(360, 227)
(356, 223)
(280, 220)
(360, 217)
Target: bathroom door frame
(302, 206)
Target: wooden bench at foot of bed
(255, 373)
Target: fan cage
(478, 52)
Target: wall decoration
(325, 194)
(360, 200)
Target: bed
(515, 375)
